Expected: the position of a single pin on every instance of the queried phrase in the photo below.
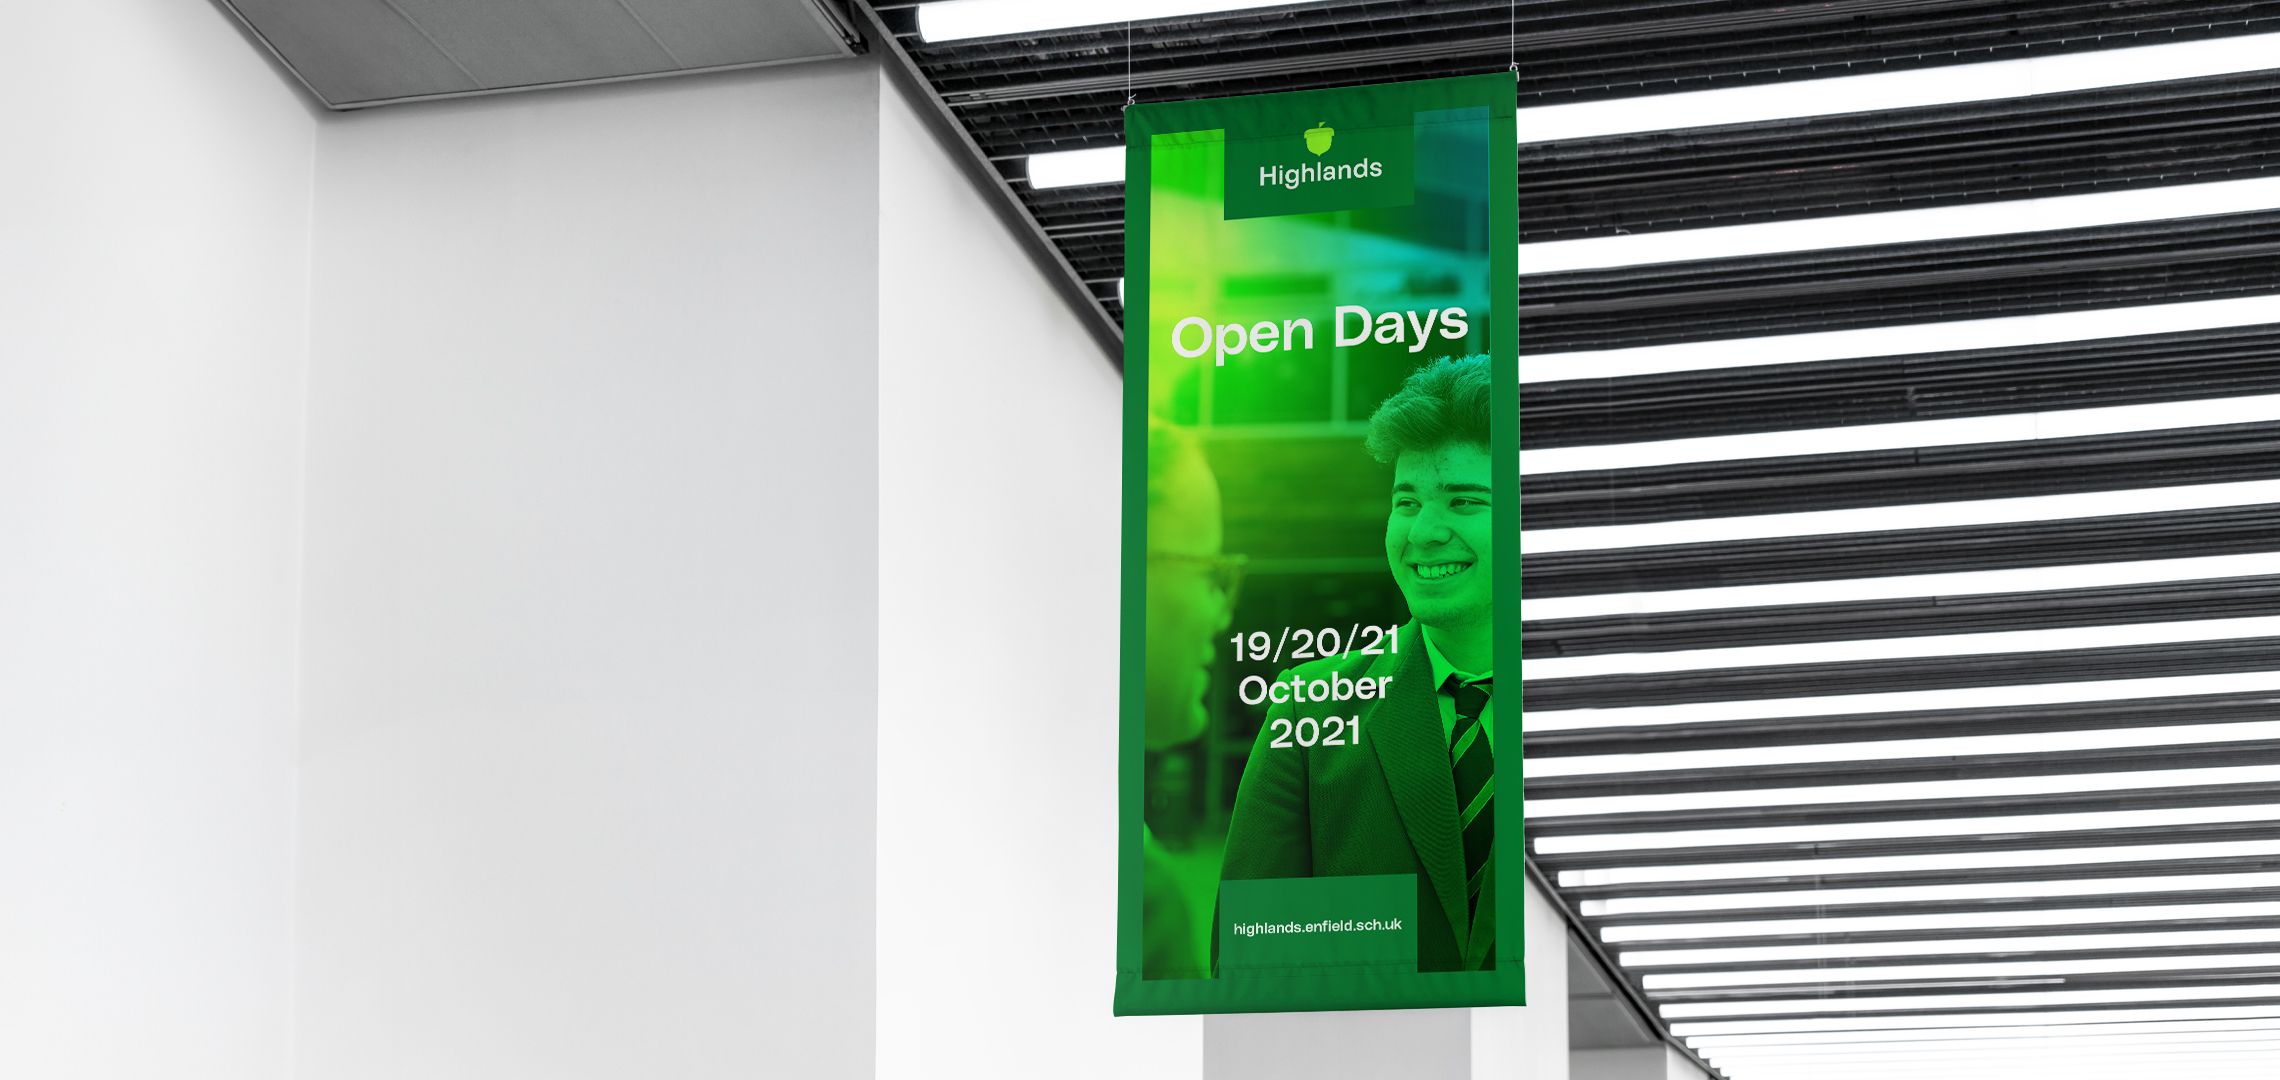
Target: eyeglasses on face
(1226, 571)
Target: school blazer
(1385, 806)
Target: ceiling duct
(355, 54)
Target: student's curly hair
(1443, 402)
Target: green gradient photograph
(1321, 476)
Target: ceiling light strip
(1935, 862)
(2212, 1039)
(1968, 582)
(2168, 817)
(1902, 226)
(1771, 954)
(1925, 646)
(1920, 88)
(2086, 1019)
(2005, 511)
(2148, 1030)
(2009, 331)
(959, 20)
(1840, 976)
(1994, 787)
(2001, 1000)
(1897, 750)
(1962, 697)
(1075, 168)
(1908, 435)
(1625, 906)
(1943, 921)
(2188, 1058)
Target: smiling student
(1413, 792)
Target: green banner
(1321, 472)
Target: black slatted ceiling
(2137, 370)
(1066, 90)
(2167, 458)
(1894, 284)
(2191, 131)
(2160, 535)
(1769, 801)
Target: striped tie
(1475, 767)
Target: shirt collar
(1442, 668)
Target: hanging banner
(1321, 476)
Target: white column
(1408, 1044)
(1530, 1042)
(1507, 1043)
(1656, 1062)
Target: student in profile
(1191, 598)
(1416, 794)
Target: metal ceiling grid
(1916, 816)
(1019, 95)
(1887, 284)
(2227, 362)
(2186, 132)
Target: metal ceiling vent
(355, 54)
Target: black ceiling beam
(1911, 724)
(2071, 802)
(1609, 971)
(1107, 332)
(2135, 370)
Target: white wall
(588, 757)
(1530, 1042)
(998, 510)
(683, 519)
(154, 208)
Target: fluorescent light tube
(1917, 647)
(2026, 508)
(1907, 435)
(1776, 954)
(1934, 862)
(1886, 830)
(1070, 168)
(1905, 226)
(1899, 894)
(2000, 332)
(1839, 976)
(957, 20)
(1968, 582)
(1994, 787)
(1944, 85)
(1954, 920)
(1902, 749)
(2055, 1060)
(2148, 1030)
(1979, 1051)
(1689, 1030)
(1984, 1049)
(2249, 1068)
(2072, 1070)
(1963, 697)
(1996, 1000)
